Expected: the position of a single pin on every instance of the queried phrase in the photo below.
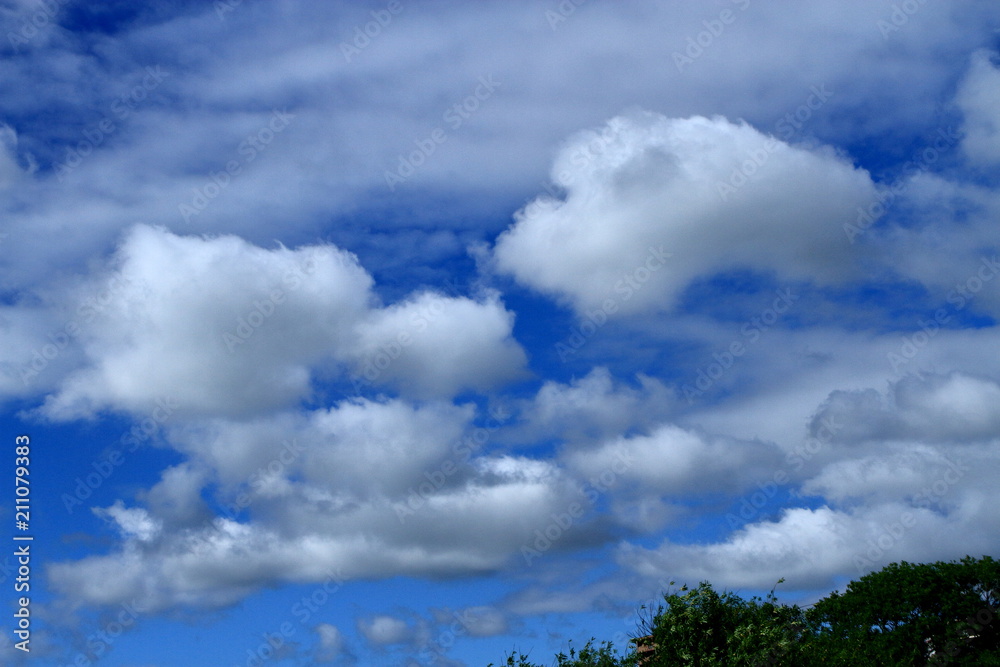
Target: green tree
(703, 628)
(603, 655)
(934, 615)
(941, 613)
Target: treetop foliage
(931, 614)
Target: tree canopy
(933, 614)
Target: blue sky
(416, 333)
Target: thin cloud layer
(978, 100)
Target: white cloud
(37, 350)
(954, 407)
(593, 407)
(331, 642)
(10, 171)
(332, 160)
(402, 345)
(132, 522)
(482, 621)
(437, 510)
(367, 490)
(221, 327)
(979, 99)
(176, 498)
(673, 462)
(358, 447)
(375, 487)
(899, 472)
(811, 548)
(902, 475)
(385, 630)
(648, 184)
(215, 324)
(379, 448)
(805, 545)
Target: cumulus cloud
(349, 147)
(303, 501)
(482, 621)
(215, 324)
(713, 194)
(308, 535)
(908, 476)
(176, 499)
(672, 461)
(36, 352)
(382, 487)
(223, 327)
(331, 642)
(394, 439)
(384, 630)
(131, 522)
(401, 345)
(913, 472)
(364, 489)
(952, 407)
(647, 476)
(979, 99)
(594, 406)
(810, 548)
(359, 447)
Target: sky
(417, 333)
